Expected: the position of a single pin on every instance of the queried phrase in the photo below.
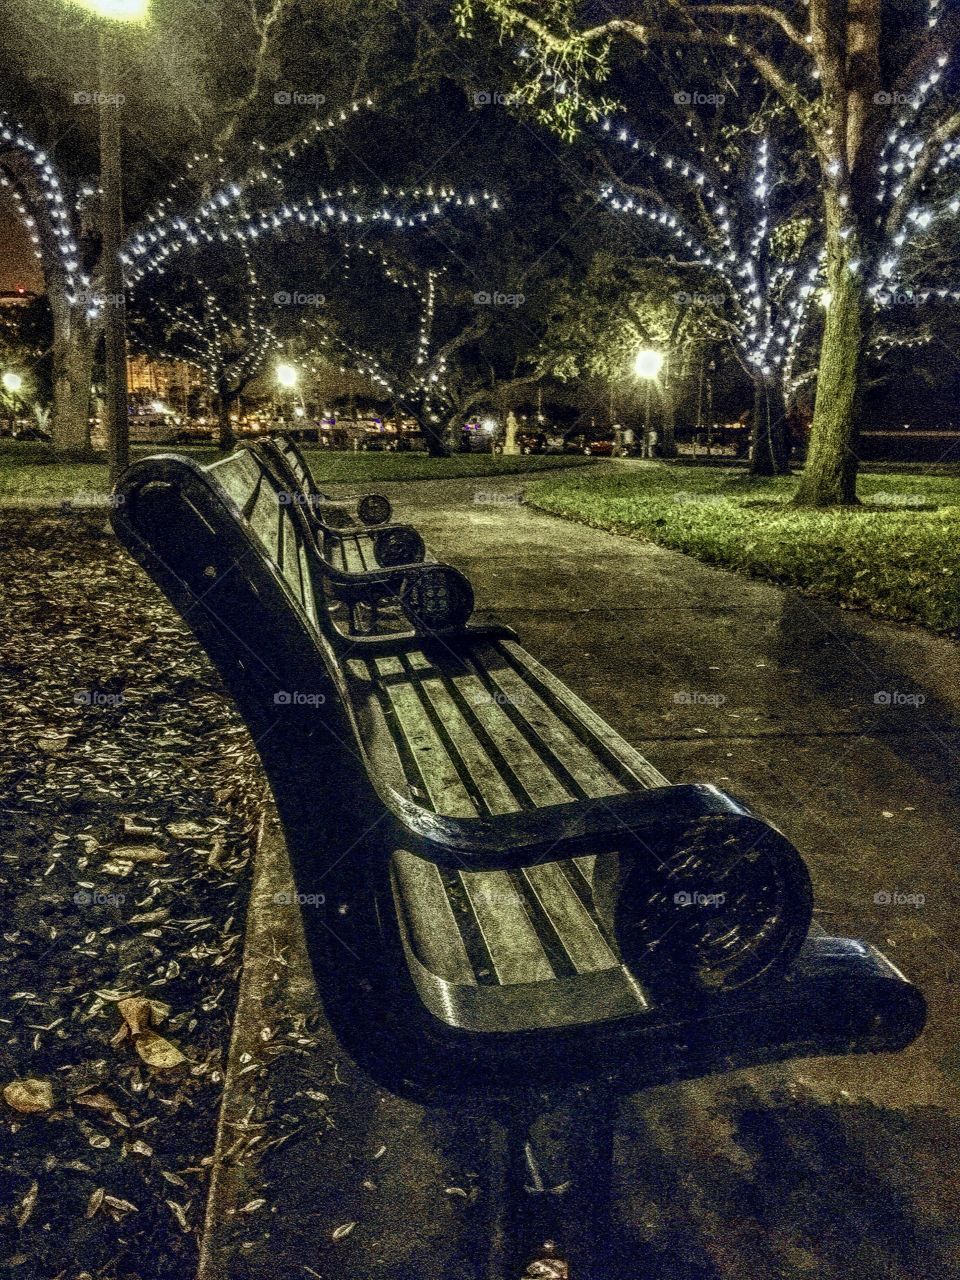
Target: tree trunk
(73, 348)
(668, 420)
(437, 437)
(830, 475)
(770, 452)
(225, 437)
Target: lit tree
(749, 260)
(865, 84)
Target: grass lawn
(898, 555)
(29, 476)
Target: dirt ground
(129, 801)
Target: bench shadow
(841, 663)
(777, 1188)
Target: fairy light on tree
(845, 106)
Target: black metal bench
(369, 509)
(418, 591)
(517, 904)
(348, 546)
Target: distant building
(168, 380)
(17, 297)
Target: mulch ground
(128, 816)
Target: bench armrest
(507, 841)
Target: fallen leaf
(180, 1214)
(138, 853)
(157, 1052)
(22, 1215)
(29, 1096)
(341, 1232)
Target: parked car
(531, 442)
(599, 447)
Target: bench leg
(549, 1191)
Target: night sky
(18, 267)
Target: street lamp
(118, 10)
(116, 409)
(647, 364)
(287, 376)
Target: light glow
(118, 10)
(647, 363)
(12, 382)
(287, 376)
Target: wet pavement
(842, 730)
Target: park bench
(352, 576)
(368, 509)
(515, 910)
(350, 548)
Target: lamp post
(647, 364)
(288, 377)
(116, 419)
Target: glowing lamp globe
(13, 383)
(287, 375)
(647, 363)
(118, 10)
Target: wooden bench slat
(352, 559)
(265, 519)
(444, 785)
(309, 599)
(496, 795)
(546, 725)
(291, 558)
(239, 475)
(435, 934)
(515, 949)
(636, 764)
(536, 777)
(576, 929)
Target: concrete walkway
(842, 730)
